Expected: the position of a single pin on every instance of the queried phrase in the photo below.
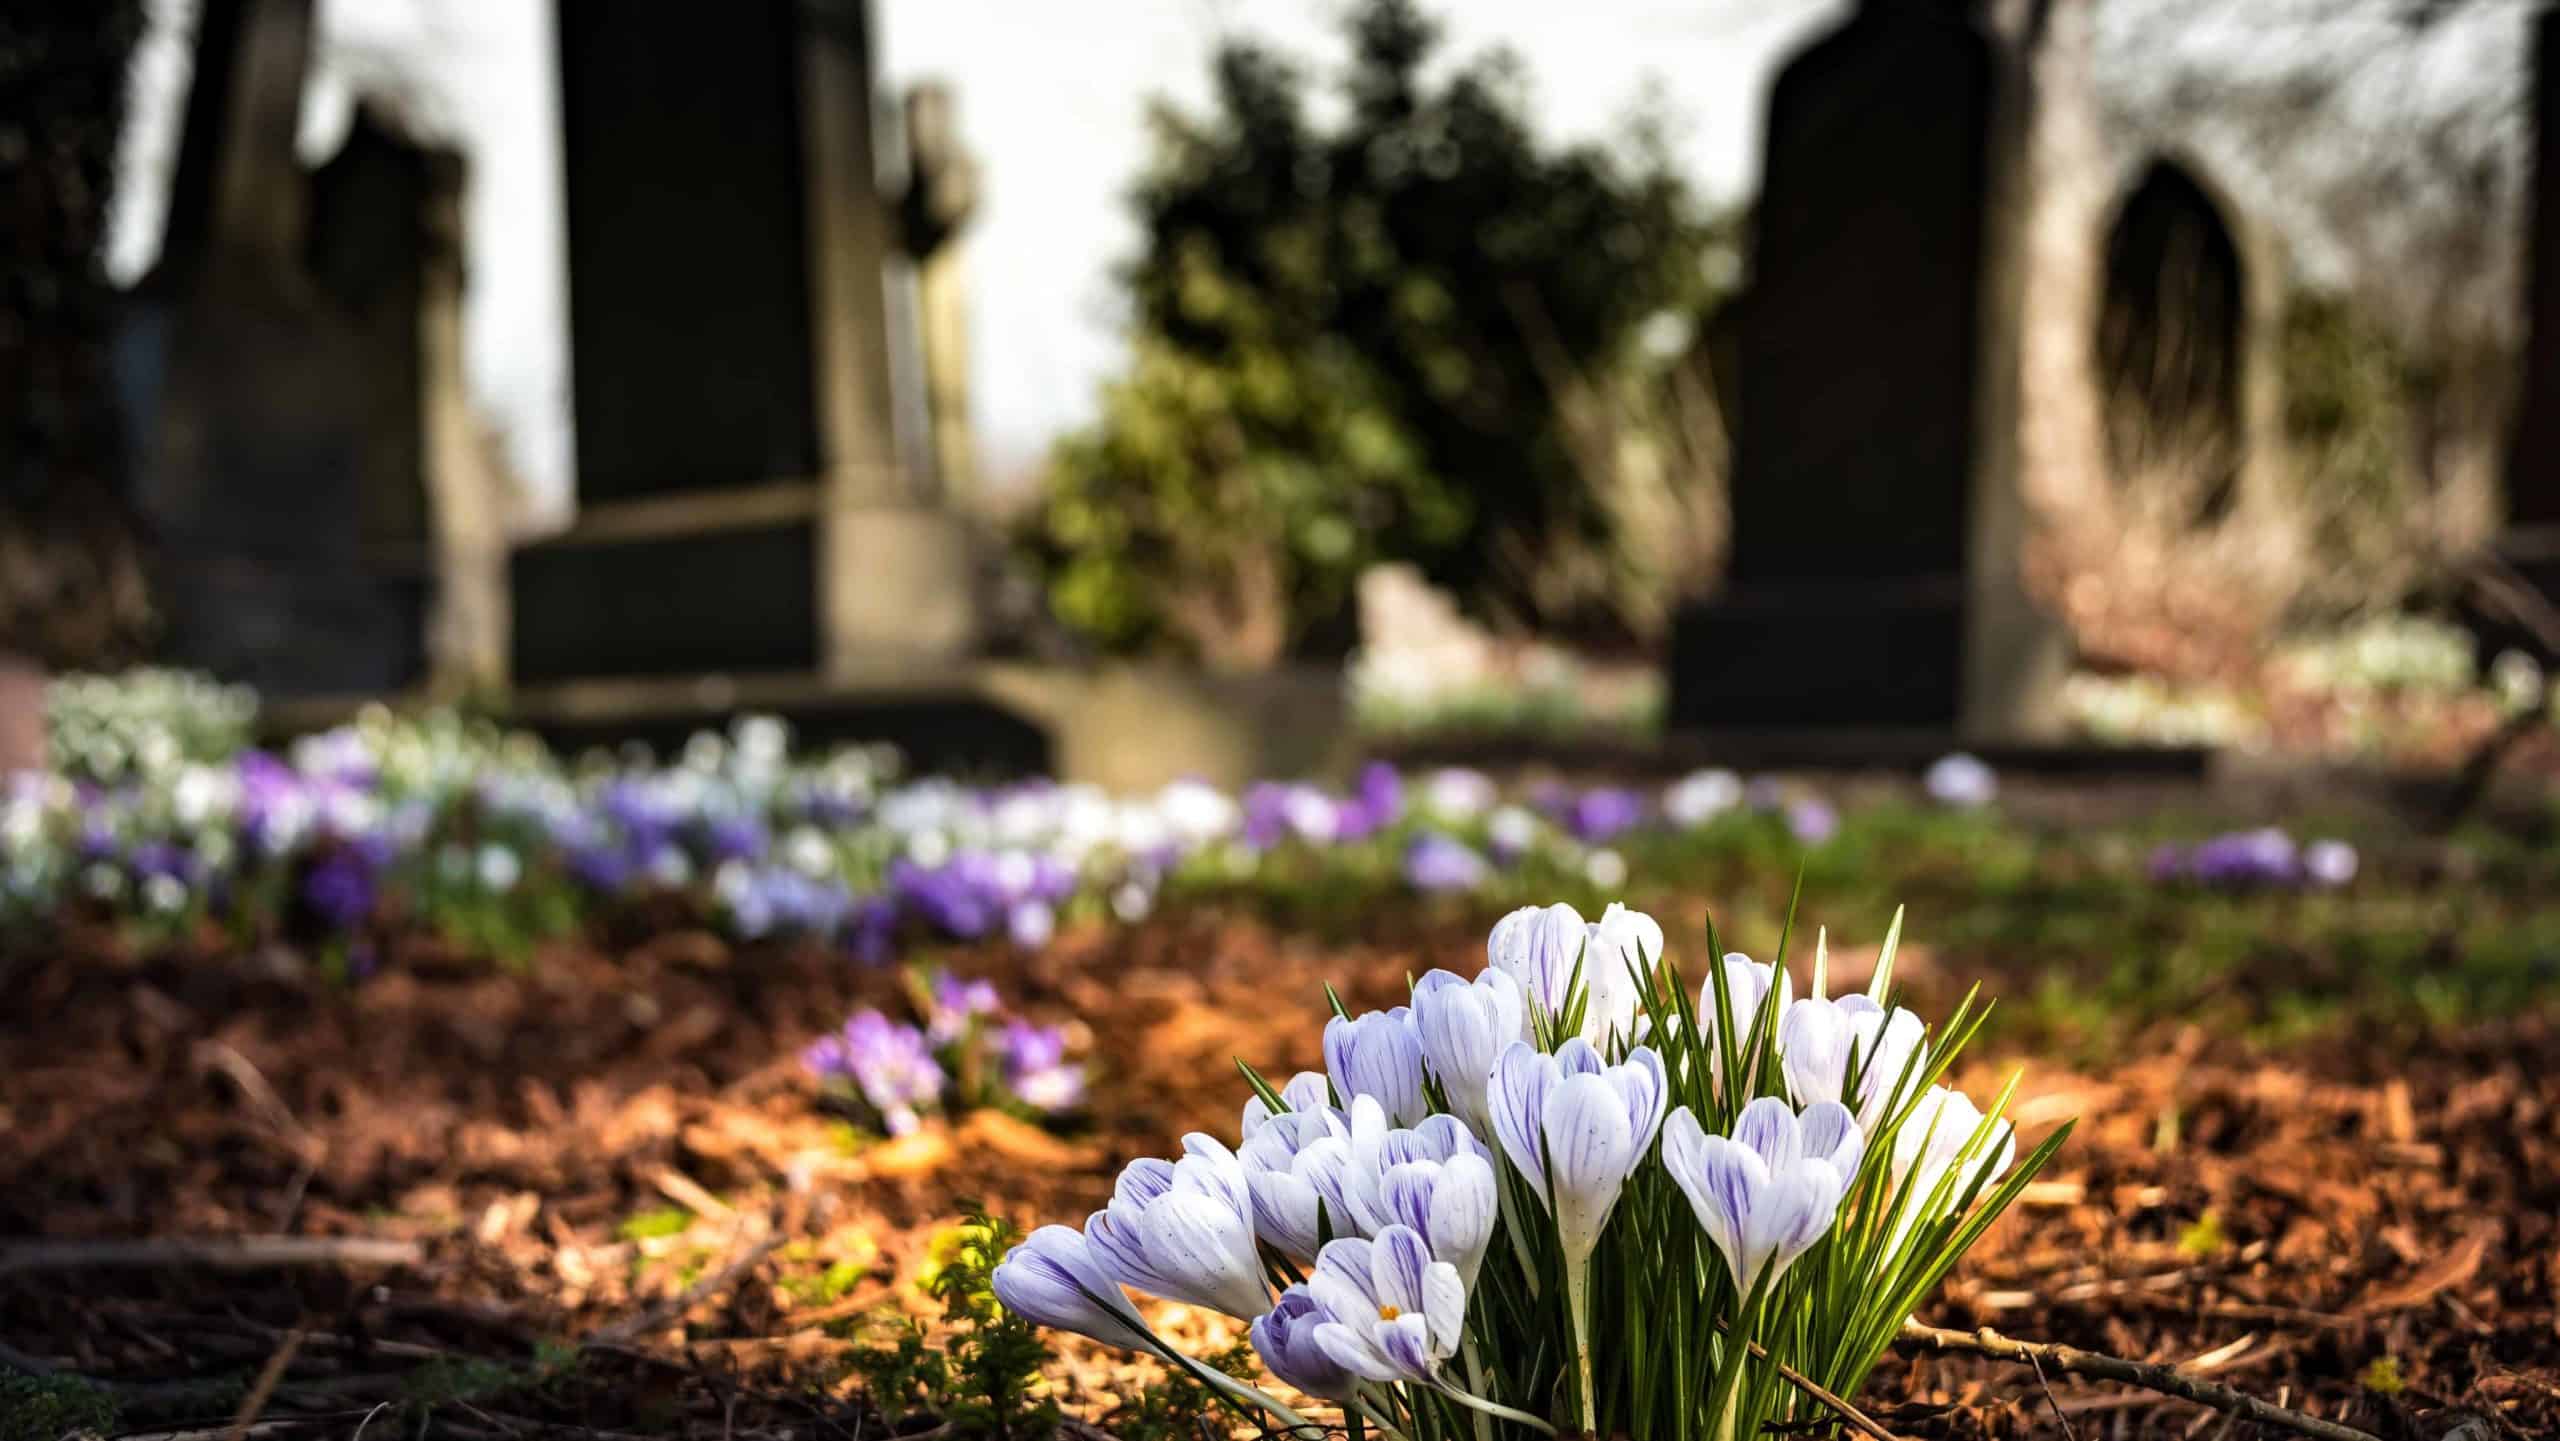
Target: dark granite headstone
(1871, 394)
(2171, 347)
(688, 246)
(266, 396)
(2530, 537)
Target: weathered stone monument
(2184, 342)
(741, 507)
(1877, 520)
(292, 374)
(941, 194)
(2529, 540)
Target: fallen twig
(255, 1403)
(225, 1253)
(694, 1295)
(1859, 1421)
(2167, 1380)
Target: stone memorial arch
(2185, 343)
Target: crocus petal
(1769, 1128)
(1378, 1055)
(1640, 1081)
(1284, 1337)
(1203, 1251)
(1444, 1307)
(1349, 1348)
(1397, 1260)
(1590, 1148)
(1462, 1027)
(1517, 1096)
(1831, 1134)
(1051, 1279)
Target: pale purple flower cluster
(901, 1072)
(2262, 859)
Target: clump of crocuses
(971, 1051)
(1579, 1191)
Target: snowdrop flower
(1961, 781)
(1183, 1230)
(1378, 1055)
(1052, 1278)
(1306, 1091)
(1821, 1042)
(1285, 1338)
(1575, 1129)
(1463, 1027)
(1760, 1198)
(1393, 1312)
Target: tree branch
(2167, 1380)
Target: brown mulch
(2369, 1233)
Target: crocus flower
(1451, 1203)
(1282, 1157)
(1575, 1129)
(1700, 797)
(1183, 1230)
(2329, 864)
(1393, 1311)
(1306, 1091)
(1812, 821)
(1604, 813)
(1378, 1055)
(1463, 1027)
(1618, 962)
(1935, 1136)
(1760, 1198)
(1539, 946)
(1961, 781)
(1850, 1051)
(1285, 1338)
(1053, 1279)
(1434, 862)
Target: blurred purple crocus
(1603, 813)
(1811, 820)
(340, 889)
(1962, 782)
(887, 1063)
(1434, 862)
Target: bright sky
(1053, 100)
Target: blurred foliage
(1413, 333)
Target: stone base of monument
(1126, 727)
(1925, 657)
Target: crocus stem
(1475, 1382)
(1384, 1427)
(1519, 1241)
(1492, 1408)
(1577, 1295)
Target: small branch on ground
(1859, 1421)
(667, 1313)
(221, 1253)
(2150, 1376)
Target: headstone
(2530, 538)
(741, 507)
(1874, 582)
(387, 244)
(2185, 341)
(260, 451)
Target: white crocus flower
(1395, 1311)
(1379, 1056)
(1306, 1091)
(1463, 1027)
(1851, 1051)
(1618, 961)
(1053, 1278)
(1762, 1200)
(1575, 1129)
(1538, 946)
(1183, 1230)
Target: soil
(617, 1146)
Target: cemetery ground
(596, 1193)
